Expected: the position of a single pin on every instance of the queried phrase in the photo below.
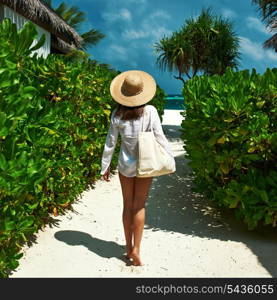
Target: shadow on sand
(107, 249)
(172, 206)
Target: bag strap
(144, 113)
(142, 125)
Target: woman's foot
(127, 256)
(134, 255)
(128, 252)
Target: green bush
(54, 117)
(231, 141)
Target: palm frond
(91, 37)
(75, 18)
(268, 10)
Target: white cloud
(123, 14)
(255, 23)
(160, 32)
(109, 17)
(251, 48)
(152, 28)
(256, 50)
(155, 29)
(134, 34)
(119, 50)
(228, 13)
(160, 14)
(271, 54)
(146, 31)
(136, 6)
(129, 38)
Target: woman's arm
(110, 144)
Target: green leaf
(252, 149)
(23, 158)
(33, 206)
(32, 170)
(245, 189)
(39, 44)
(10, 64)
(229, 120)
(234, 202)
(9, 225)
(13, 264)
(224, 168)
(27, 222)
(29, 89)
(18, 255)
(212, 140)
(260, 104)
(3, 162)
(26, 34)
(5, 83)
(23, 236)
(26, 131)
(264, 196)
(3, 118)
(221, 140)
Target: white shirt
(129, 129)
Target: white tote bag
(153, 159)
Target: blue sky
(132, 27)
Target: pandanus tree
(206, 44)
(268, 10)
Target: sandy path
(184, 236)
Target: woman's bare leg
(141, 190)
(127, 187)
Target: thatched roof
(38, 12)
(272, 42)
(61, 45)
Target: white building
(60, 37)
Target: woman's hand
(106, 175)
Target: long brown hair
(129, 113)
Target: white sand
(184, 236)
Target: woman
(132, 90)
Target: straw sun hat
(133, 88)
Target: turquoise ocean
(175, 102)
